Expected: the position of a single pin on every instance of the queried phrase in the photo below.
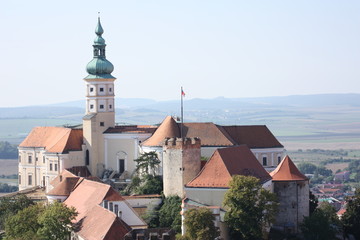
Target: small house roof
(287, 171)
(225, 163)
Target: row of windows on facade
(101, 106)
(112, 207)
(100, 89)
(265, 160)
(29, 183)
(37, 159)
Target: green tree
(24, 224)
(351, 218)
(169, 214)
(11, 206)
(318, 226)
(147, 163)
(313, 202)
(199, 223)
(250, 208)
(151, 185)
(43, 222)
(330, 213)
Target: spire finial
(99, 30)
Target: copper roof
(287, 171)
(225, 163)
(54, 139)
(215, 135)
(65, 187)
(102, 224)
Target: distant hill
(324, 116)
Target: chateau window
(91, 106)
(30, 180)
(110, 106)
(264, 161)
(110, 89)
(101, 106)
(50, 167)
(43, 159)
(106, 204)
(87, 158)
(279, 159)
(29, 159)
(37, 159)
(111, 206)
(101, 89)
(91, 89)
(19, 158)
(55, 167)
(102, 124)
(19, 179)
(43, 183)
(116, 209)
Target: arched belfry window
(87, 158)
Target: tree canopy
(351, 218)
(250, 208)
(11, 206)
(147, 163)
(199, 224)
(8, 150)
(169, 214)
(40, 222)
(319, 225)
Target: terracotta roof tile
(168, 128)
(287, 171)
(215, 135)
(101, 224)
(65, 187)
(225, 163)
(54, 139)
(64, 174)
(257, 136)
(132, 129)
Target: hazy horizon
(212, 48)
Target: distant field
(8, 167)
(337, 166)
(13, 182)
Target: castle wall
(293, 203)
(181, 163)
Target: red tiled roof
(287, 171)
(55, 139)
(90, 193)
(215, 135)
(225, 163)
(101, 224)
(168, 128)
(257, 136)
(132, 129)
(65, 187)
(64, 174)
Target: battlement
(177, 143)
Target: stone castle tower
(292, 190)
(100, 107)
(181, 163)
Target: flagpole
(182, 114)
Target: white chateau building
(59, 158)
(102, 145)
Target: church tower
(100, 107)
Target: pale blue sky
(211, 48)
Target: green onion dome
(99, 66)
